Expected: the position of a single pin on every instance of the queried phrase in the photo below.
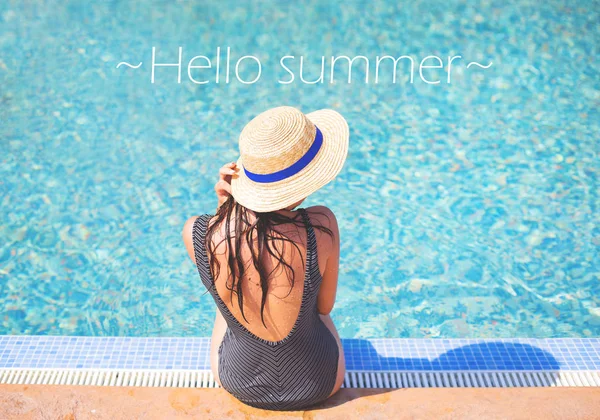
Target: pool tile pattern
(389, 354)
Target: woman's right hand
(223, 186)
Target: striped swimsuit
(291, 374)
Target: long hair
(260, 237)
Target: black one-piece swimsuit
(291, 374)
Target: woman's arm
(188, 238)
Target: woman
(273, 270)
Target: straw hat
(286, 155)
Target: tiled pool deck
(551, 354)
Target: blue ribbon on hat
(294, 168)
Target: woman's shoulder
(317, 211)
(188, 227)
(188, 230)
(323, 216)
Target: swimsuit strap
(310, 232)
(199, 240)
(311, 253)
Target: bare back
(283, 298)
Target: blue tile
(376, 354)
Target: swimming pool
(467, 209)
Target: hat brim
(325, 166)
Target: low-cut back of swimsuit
(291, 374)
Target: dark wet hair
(261, 235)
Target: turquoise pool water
(467, 209)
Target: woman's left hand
(223, 186)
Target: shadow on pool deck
(505, 356)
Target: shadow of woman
(497, 356)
